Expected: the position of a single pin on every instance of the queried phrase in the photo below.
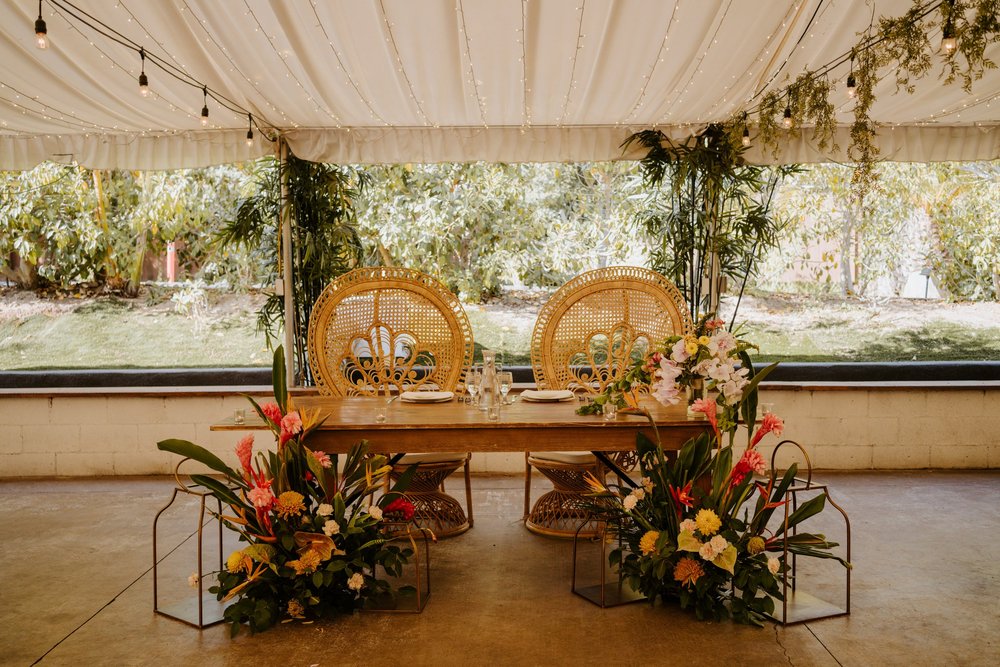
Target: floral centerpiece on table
(697, 527)
(313, 538)
(709, 358)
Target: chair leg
(468, 490)
(527, 487)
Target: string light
(143, 79)
(746, 131)
(786, 119)
(250, 129)
(204, 109)
(41, 32)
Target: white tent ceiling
(360, 81)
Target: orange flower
(688, 571)
(647, 544)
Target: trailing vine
(901, 44)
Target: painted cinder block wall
(841, 428)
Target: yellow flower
(306, 563)
(755, 545)
(239, 562)
(647, 544)
(704, 340)
(688, 571)
(289, 504)
(295, 609)
(708, 522)
(691, 345)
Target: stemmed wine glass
(506, 379)
(472, 381)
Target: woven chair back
(379, 329)
(598, 323)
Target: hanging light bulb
(948, 40)
(746, 135)
(143, 79)
(204, 109)
(949, 43)
(250, 130)
(41, 32)
(852, 84)
(786, 119)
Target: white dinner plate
(426, 396)
(547, 395)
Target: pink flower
(665, 388)
(751, 461)
(714, 324)
(244, 452)
(709, 409)
(323, 458)
(772, 423)
(262, 497)
(272, 412)
(291, 424)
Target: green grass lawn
(109, 332)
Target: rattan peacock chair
(585, 336)
(383, 330)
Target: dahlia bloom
(647, 544)
(708, 522)
(290, 504)
(688, 571)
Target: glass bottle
(489, 388)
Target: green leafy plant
(708, 215)
(314, 538)
(692, 530)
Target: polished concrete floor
(76, 589)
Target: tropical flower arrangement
(313, 537)
(709, 358)
(697, 527)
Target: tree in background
(67, 225)
(476, 226)
(944, 217)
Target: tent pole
(288, 291)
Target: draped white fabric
(369, 81)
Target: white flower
(647, 484)
(331, 528)
(679, 352)
(325, 509)
(193, 580)
(356, 582)
(376, 512)
(688, 526)
(629, 502)
(664, 388)
(719, 544)
(639, 494)
(707, 552)
(773, 565)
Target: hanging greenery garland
(968, 28)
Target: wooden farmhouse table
(453, 426)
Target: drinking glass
(506, 379)
(472, 381)
(239, 416)
(381, 411)
(610, 409)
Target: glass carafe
(489, 388)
